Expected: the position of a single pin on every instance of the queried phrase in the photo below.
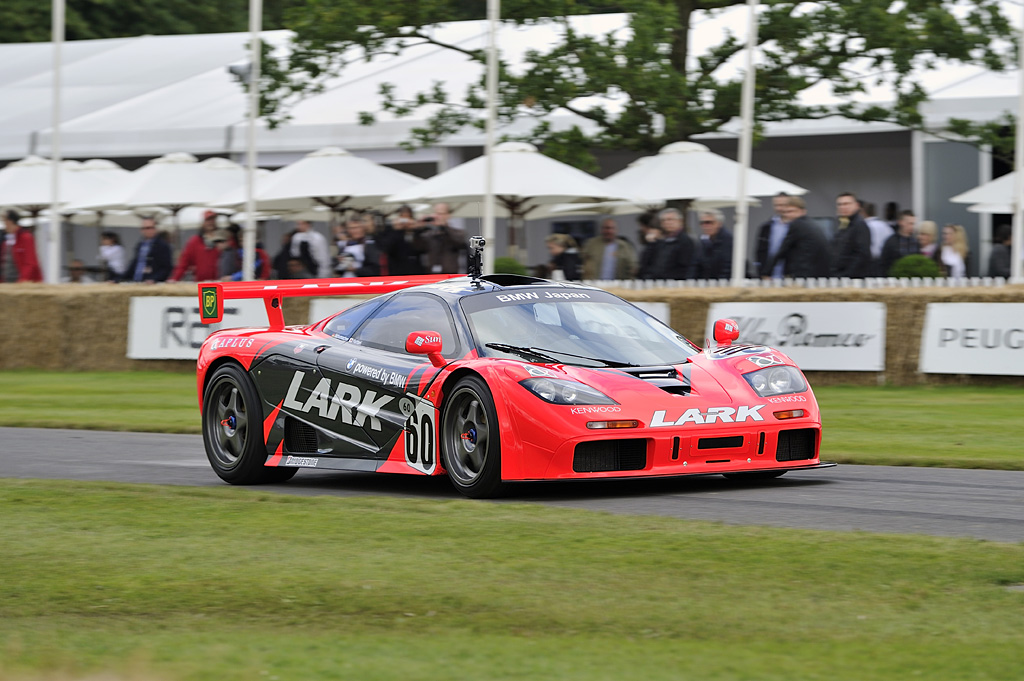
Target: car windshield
(583, 327)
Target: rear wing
(213, 294)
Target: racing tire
(233, 430)
(470, 440)
(754, 476)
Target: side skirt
(324, 462)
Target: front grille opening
(720, 442)
(796, 445)
(610, 455)
(299, 437)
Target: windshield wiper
(543, 354)
(523, 351)
(606, 362)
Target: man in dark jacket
(769, 239)
(851, 244)
(716, 246)
(1000, 260)
(403, 243)
(805, 249)
(903, 242)
(152, 256)
(674, 258)
(446, 244)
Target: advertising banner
(973, 338)
(818, 336)
(169, 327)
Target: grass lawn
(956, 426)
(131, 401)
(105, 581)
(960, 426)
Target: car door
(376, 381)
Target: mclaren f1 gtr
(492, 380)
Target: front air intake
(299, 437)
(796, 445)
(610, 455)
(720, 442)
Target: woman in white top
(112, 257)
(954, 251)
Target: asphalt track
(946, 502)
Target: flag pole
(54, 243)
(1017, 239)
(493, 14)
(739, 246)
(249, 233)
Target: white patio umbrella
(991, 208)
(998, 192)
(26, 184)
(524, 180)
(690, 171)
(634, 207)
(172, 182)
(599, 208)
(997, 196)
(687, 171)
(86, 180)
(330, 178)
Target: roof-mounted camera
(475, 260)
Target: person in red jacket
(18, 260)
(200, 255)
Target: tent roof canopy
(152, 95)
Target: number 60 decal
(421, 438)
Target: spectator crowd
(789, 245)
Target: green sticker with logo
(211, 311)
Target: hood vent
(665, 377)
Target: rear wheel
(470, 443)
(755, 475)
(233, 430)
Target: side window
(345, 323)
(403, 314)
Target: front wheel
(470, 442)
(233, 429)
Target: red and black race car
(491, 380)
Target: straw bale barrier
(85, 328)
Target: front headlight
(561, 391)
(781, 380)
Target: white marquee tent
(143, 97)
(151, 95)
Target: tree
(29, 21)
(664, 93)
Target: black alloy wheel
(470, 441)
(233, 430)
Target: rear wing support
(213, 294)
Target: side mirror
(426, 343)
(726, 331)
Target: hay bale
(85, 328)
